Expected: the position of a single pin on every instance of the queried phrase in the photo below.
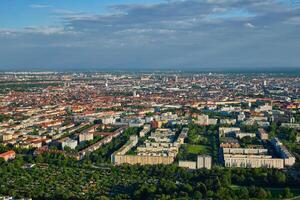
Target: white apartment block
(223, 131)
(241, 135)
(69, 143)
(245, 151)
(187, 164)
(252, 161)
(204, 162)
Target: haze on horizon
(154, 34)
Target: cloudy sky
(149, 34)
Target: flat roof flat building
(253, 161)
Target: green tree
(197, 195)
(243, 193)
(287, 193)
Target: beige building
(262, 134)
(204, 162)
(242, 135)
(204, 120)
(252, 161)
(284, 153)
(223, 131)
(245, 151)
(68, 142)
(145, 130)
(160, 148)
(141, 159)
(86, 136)
(187, 164)
(228, 121)
(6, 137)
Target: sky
(149, 34)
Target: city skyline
(204, 35)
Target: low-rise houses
(9, 155)
(229, 142)
(228, 121)
(108, 120)
(67, 115)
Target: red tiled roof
(8, 153)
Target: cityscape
(150, 100)
(88, 122)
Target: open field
(197, 149)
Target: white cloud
(249, 25)
(45, 30)
(219, 9)
(171, 33)
(40, 6)
(293, 20)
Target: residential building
(9, 155)
(204, 162)
(68, 142)
(86, 136)
(262, 134)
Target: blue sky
(153, 34)
(18, 14)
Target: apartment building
(262, 134)
(146, 129)
(68, 142)
(204, 162)
(160, 148)
(284, 153)
(187, 164)
(242, 135)
(228, 121)
(225, 131)
(86, 136)
(252, 161)
(204, 120)
(245, 151)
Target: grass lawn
(197, 149)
